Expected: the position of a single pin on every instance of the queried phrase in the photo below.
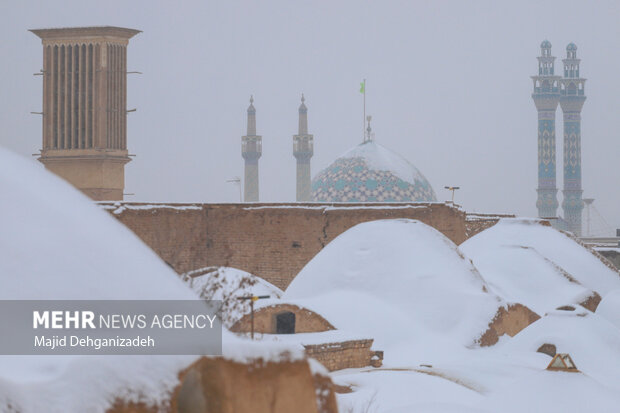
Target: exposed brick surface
(306, 321)
(345, 355)
(477, 223)
(273, 241)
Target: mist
(448, 87)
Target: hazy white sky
(448, 85)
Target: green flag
(363, 87)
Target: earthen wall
(273, 241)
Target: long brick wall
(273, 241)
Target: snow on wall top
(531, 262)
(391, 279)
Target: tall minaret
(251, 150)
(85, 107)
(571, 100)
(303, 149)
(546, 96)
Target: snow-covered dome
(371, 173)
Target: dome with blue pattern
(571, 46)
(371, 173)
(546, 44)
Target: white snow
(57, 244)
(533, 264)
(521, 274)
(228, 284)
(380, 158)
(397, 281)
(405, 285)
(609, 308)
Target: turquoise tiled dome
(546, 44)
(371, 173)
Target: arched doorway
(285, 323)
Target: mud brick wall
(343, 355)
(306, 321)
(476, 223)
(273, 241)
(612, 255)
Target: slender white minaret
(251, 150)
(303, 149)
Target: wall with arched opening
(282, 319)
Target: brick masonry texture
(306, 321)
(272, 241)
(344, 355)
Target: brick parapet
(271, 240)
(344, 355)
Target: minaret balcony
(252, 144)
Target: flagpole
(364, 120)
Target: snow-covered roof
(396, 279)
(609, 308)
(57, 244)
(228, 284)
(537, 265)
(370, 172)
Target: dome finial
(368, 136)
(303, 99)
(251, 99)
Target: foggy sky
(448, 86)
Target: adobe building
(85, 107)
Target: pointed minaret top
(251, 108)
(251, 118)
(303, 117)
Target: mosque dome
(571, 46)
(546, 44)
(371, 173)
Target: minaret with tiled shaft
(303, 149)
(546, 97)
(572, 98)
(251, 150)
(85, 107)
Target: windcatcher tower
(251, 150)
(85, 107)
(546, 97)
(572, 98)
(303, 149)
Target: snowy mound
(370, 172)
(228, 284)
(592, 342)
(396, 279)
(538, 266)
(609, 308)
(56, 244)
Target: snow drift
(56, 244)
(525, 261)
(397, 280)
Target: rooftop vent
(562, 362)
